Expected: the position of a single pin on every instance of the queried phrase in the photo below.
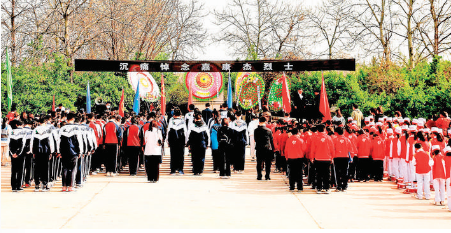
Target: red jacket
(447, 166)
(143, 132)
(276, 138)
(442, 123)
(342, 146)
(403, 141)
(282, 142)
(102, 124)
(442, 144)
(112, 133)
(93, 126)
(378, 148)
(422, 162)
(363, 146)
(353, 140)
(438, 169)
(132, 136)
(322, 147)
(295, 148)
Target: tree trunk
(67, 44)
(13, 34)
(409, 34)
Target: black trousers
(97, 159)
(133, 158)
(352, 168)
(224, 157)
(28, 169)
(281, 162)
(80, 169)
(363, 169)
(341, 170)
(312, 174)
(69, 171)
(296, 167)
(41, 170)
(111, 157)
(215, 155)
(152, 164)
(177, 157)
(52, 167)
(17, 168)
(322, 174)
(264, 156)
(378, 168)
(198, 156)
(238, 155)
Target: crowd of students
(330, 154)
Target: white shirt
(252, 126)
(151, 138)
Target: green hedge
(419, 92)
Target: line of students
(45, 153)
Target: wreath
(249, 88)
(275, 101)
(206, 85)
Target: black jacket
(226, 138)
(263, 139)
(207, 114)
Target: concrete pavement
(209, 202)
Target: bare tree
(187, 30)
(374, 26)
(13, 22)
(261, 29)
(410, 10)
(435, 27)
(330, 23)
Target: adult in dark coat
(264, 146)
(207, 113)
(299, 101)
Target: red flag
(163, 97)
(53, 104)
(121, 105)
(286, 95)
(190, 95)
(324, 102)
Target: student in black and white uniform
(71, 148)
(198, 141)
(42, 146)
(17, 152)
(176, 139)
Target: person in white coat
(152, 152)
(252, 126)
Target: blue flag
(88, 100)
(229, 94)
(136, 101)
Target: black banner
(214, 66)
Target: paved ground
(209, 202)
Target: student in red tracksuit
(132, 144)
(282, 163)
(295, 153)
(99, 154)
(438, 175)
(111, 142)
(343, 150)
(350, 134)
(276, 138)
(363, 146)
(97, 132)
(423, 163)
(322, 150)
(378, 154)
